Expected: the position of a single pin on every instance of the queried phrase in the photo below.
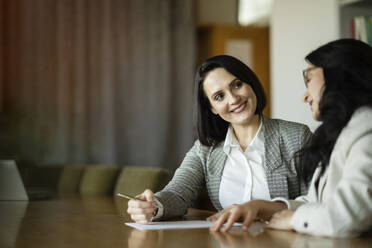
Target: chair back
(70, 179)
(134, 180)
(98, 180)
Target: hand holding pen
(142, 207)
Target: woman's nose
(234, 98)
(305, 97)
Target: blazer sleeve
(300, 139)
(183, 190)
(348, 212)
(311, 195)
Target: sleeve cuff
(160, 211)
(300, 220)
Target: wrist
(266, 209)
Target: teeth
(240, 108)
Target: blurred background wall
(97, 81)
(111, 81)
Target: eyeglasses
(305, 74)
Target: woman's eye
(218, 97)
(238, 84)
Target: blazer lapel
(215, 165)
(276, 179)
(216, 161)
(272, 144)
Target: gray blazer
(203, 167)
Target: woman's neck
(246, 133)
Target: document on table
(187, 224)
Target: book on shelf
(361, 29)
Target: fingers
(281, 220)
(220, 221)
(236, 212)
(140, 204)
(141, 210)
(273, 223)
(214, 217)
(141, 215)
(145, 200)
(217, 215)
(147, 195)
(248, 220)
(234, 216)
(141, 218)
(131, 210)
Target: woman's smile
(240, 108)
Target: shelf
(350, 9)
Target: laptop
(12, 187)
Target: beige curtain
(97, 81)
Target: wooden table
(99, 222)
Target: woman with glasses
(338, 160)
(241, 156)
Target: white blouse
(243, 177)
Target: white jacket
(341, 205)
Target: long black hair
(347, 68)
(210, 128)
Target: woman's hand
(281, 220)
(142, 210)
(247, 213)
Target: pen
(128, 197)
(134, 198)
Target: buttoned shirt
(243, 177)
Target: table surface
(99, 222)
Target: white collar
(232, 142)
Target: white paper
(187, 224)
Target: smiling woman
(313, 94)
(241, 156)
(231, 99)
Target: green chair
(134, 180)
(98, 180)
(70, 179)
